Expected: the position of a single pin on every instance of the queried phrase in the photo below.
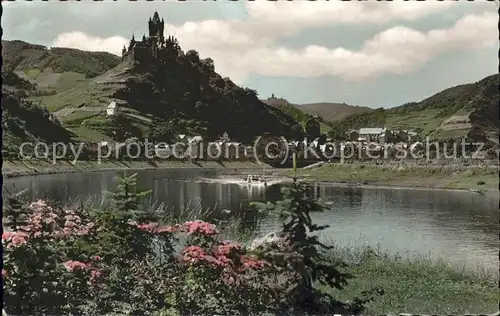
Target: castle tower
(156, 27)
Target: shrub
(127, 261)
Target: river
(459, 226)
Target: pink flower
(7, 235)
(38, 204)
(167, 229)
(96, 258)
(37, 234)
(148, 227)
(252, 263)
(69, 224)
(95, 275)
(225, 261)
(72, 217)
(200, 227)
(71, 265)
(193, 254)
(82, 232)
(193, 250)
(19, 239)
(4, 273)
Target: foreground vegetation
(418, 284)
(120, 258)
(123, 260)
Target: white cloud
(80, 40)
(244, 47)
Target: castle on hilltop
(154, 47)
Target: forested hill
(181, 94)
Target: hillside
(23, 121)
(469, 110)
(328, 111)
(180, 98)
(55, 69)
(287, 107)
(158, 98)
(333, 111)
(296, 112)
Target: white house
(373, 135)
(113, 109)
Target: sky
(367, 53)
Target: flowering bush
(123, 261)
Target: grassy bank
(16, 168)
(418, 285)
(449, 177)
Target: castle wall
(142, 54)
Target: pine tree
(314, 266)
(119, 237)
(126, 197)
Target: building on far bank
(373, 135)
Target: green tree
(312, 266)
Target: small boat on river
(255, 180)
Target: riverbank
(414, 176)
(418, 285)
(20, 168)
(409, 176)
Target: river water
(459, 226)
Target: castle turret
(156, 27)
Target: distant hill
(287, 107)
(328, 111)
(160, 92)
(469, 110)
(54, 69)
(297, 112)
(333, 111)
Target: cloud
(241, 48)
(80, 40)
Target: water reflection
(457, 225)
